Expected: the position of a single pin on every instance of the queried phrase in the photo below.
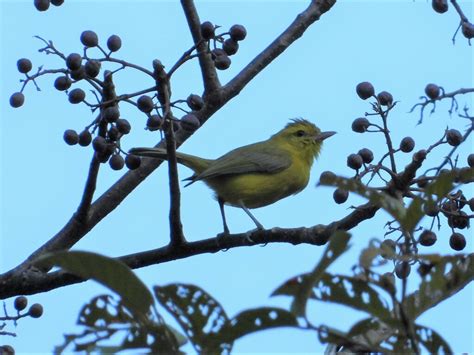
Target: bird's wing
(253, 158)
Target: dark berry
(449, 206)
(365, 90)
(360, 125)
(230, 46)
(154, 122)
(470, 160)
(222, 62)
(132, 161)
(238, 32)
(432, 91)
(327, 177)
(116, 162)
(123, 126)
(402, 269)
(440, 6)
(78, 74)
(427, 238)
(457, 241)
(145, 103)
(73, 61)
(407, 144)
(99, 144)
(17, 99)
(460, 220)
(340, 196)
(85, 138)
(24, 65)
(467, 29)
(431, 209)
(71, 137)
(57, 2)
(217, 52)
(111, 114)
(20, 303)
(113, 133)
(195, 102)
(385, 98)
(354, 161)
(76, 96)
(454, 137)
(471, 204)
(114, 43)
(42, 5)
(62, 83)
(35, 311)
(190, 122)
(102, 157)
(92, 68)
(422, 181)
(367, 155)
(175, 124)
(89, 39)
(7, 350)
(207, 30)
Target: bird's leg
(221, 206)
(257, 223)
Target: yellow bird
(258, 174)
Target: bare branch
(209, 74)
(30, 281)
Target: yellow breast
(261, 189)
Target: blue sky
(399, 46)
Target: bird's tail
(197, 164)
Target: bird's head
(304, 137)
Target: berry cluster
(467, 28)
(20, 303)
(105, 132)
(229, 46)
(43, 5)
(451, 206)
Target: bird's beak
(323, 135)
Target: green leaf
(351, 344)
(254, 320)
(338, 244)
(441, 284)
(105, 319)
(198, 313)
(355, 293)
(413, 216)
(109, 272)
(370, 331)
(367, 256)
(432, 341)
(442, 185)
(102, 311)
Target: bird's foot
(224, 234)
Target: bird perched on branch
(258, 174)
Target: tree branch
(310, 15)
(209, 73)
(74, 230)
(31, 281)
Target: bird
(258, 174)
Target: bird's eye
(300, 133)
